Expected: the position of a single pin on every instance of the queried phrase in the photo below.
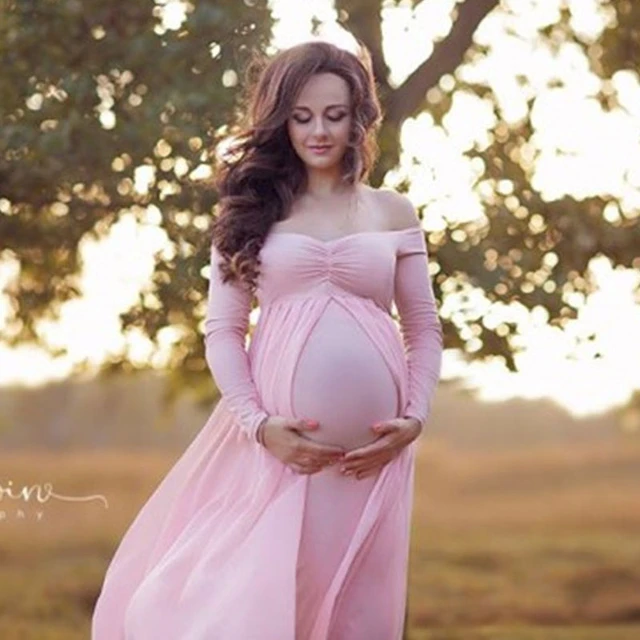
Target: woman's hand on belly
(281, 438)
(396, 434)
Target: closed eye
(331, 118)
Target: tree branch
(363, 20)
(407, 100)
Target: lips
(320, 148)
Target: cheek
(341, 131)
(295, 134)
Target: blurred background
(514, 127)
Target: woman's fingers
(359, 471)
(317, 457)
(306, 470)
(297, 468)
(307, 466)
(324, 454)
(364, 467)
(371, 472)
(358, 464)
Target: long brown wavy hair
(258, 175)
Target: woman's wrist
(260, 432)
(419, 424)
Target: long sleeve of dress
(226, 325)
(419, 323)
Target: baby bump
(342, 381)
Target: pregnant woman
(288, 516)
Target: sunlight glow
(422, 27)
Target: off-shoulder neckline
(344, 237)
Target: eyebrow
(330, 106)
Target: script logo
(38, 494)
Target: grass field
(541, 544)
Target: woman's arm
(421, 329)
(413, 295)
(226, 325)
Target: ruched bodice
(362, 264)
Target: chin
(321, 162)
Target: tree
(528, 249)
(90, 92)
(115, 90)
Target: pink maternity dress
(234, 544)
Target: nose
(319, 127)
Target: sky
(581, 151)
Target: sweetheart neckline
(344, 237)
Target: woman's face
(320, 121)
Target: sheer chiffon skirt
(234, 545)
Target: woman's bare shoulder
(400, 211)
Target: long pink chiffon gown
(235, 545)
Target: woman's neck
(323, 185)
